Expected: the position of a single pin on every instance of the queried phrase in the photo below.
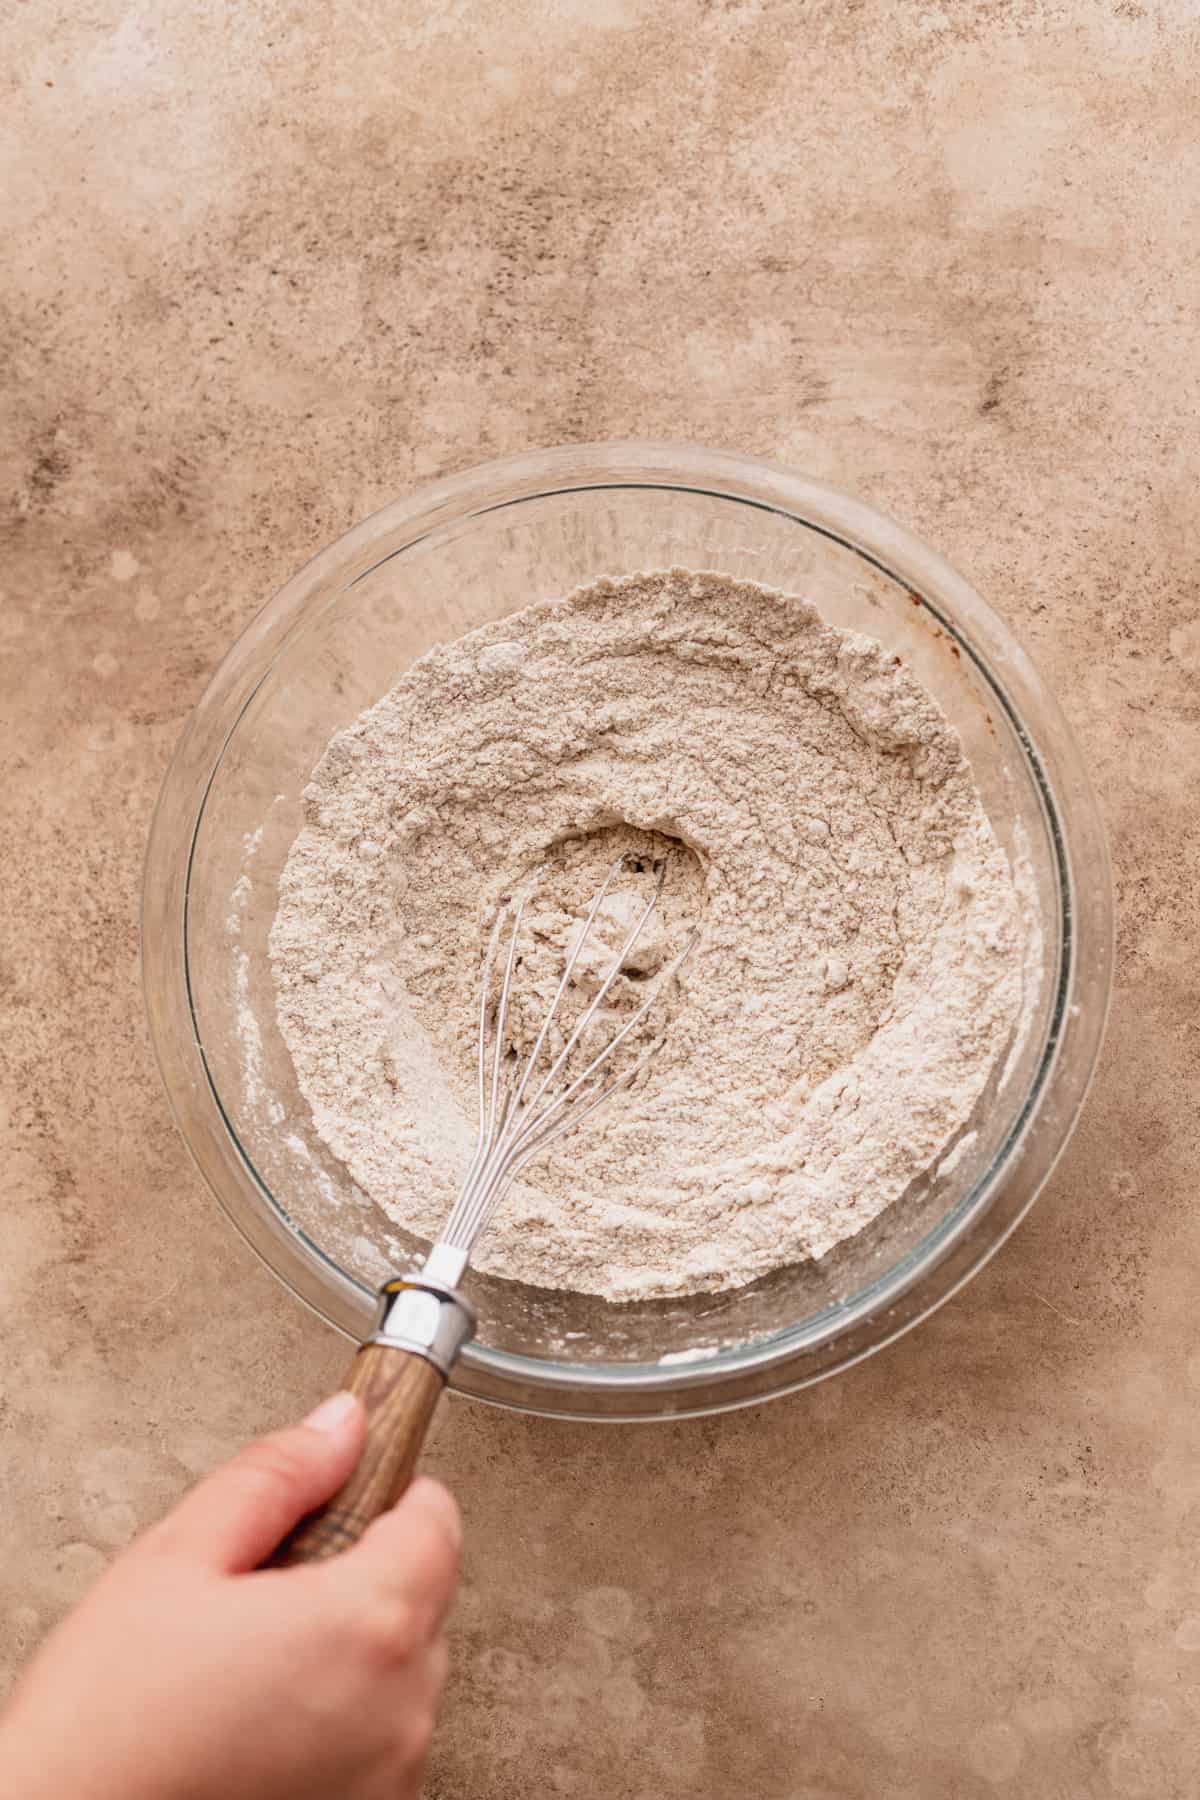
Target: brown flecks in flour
(856, 977)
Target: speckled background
(266, 266)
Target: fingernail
(332, 1412)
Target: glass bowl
(473, 548)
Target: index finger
(411, 1554)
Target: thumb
(237, 1516)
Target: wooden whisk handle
(398, 1376)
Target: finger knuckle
(443, 1517)
(439, 1567)
(419, 1727)
(439, 1666)
(389, 1631)
(448, 1561)
(450, 1518)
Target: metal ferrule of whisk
(523, 1109)
(427, 1317)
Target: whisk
(525, 1105)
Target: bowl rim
(927, 1276)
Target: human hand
(190, 1673)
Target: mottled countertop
(268, 266)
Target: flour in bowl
(857, 970)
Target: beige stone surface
(266, 266)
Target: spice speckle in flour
(857, 970)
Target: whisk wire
(513, 1129)
(502, 1010)
(493, 1127)
(602, 1056)
(481, 1142)
(564, 981)
(601, 993)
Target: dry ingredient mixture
(856, 978)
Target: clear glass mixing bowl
(432, 566)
